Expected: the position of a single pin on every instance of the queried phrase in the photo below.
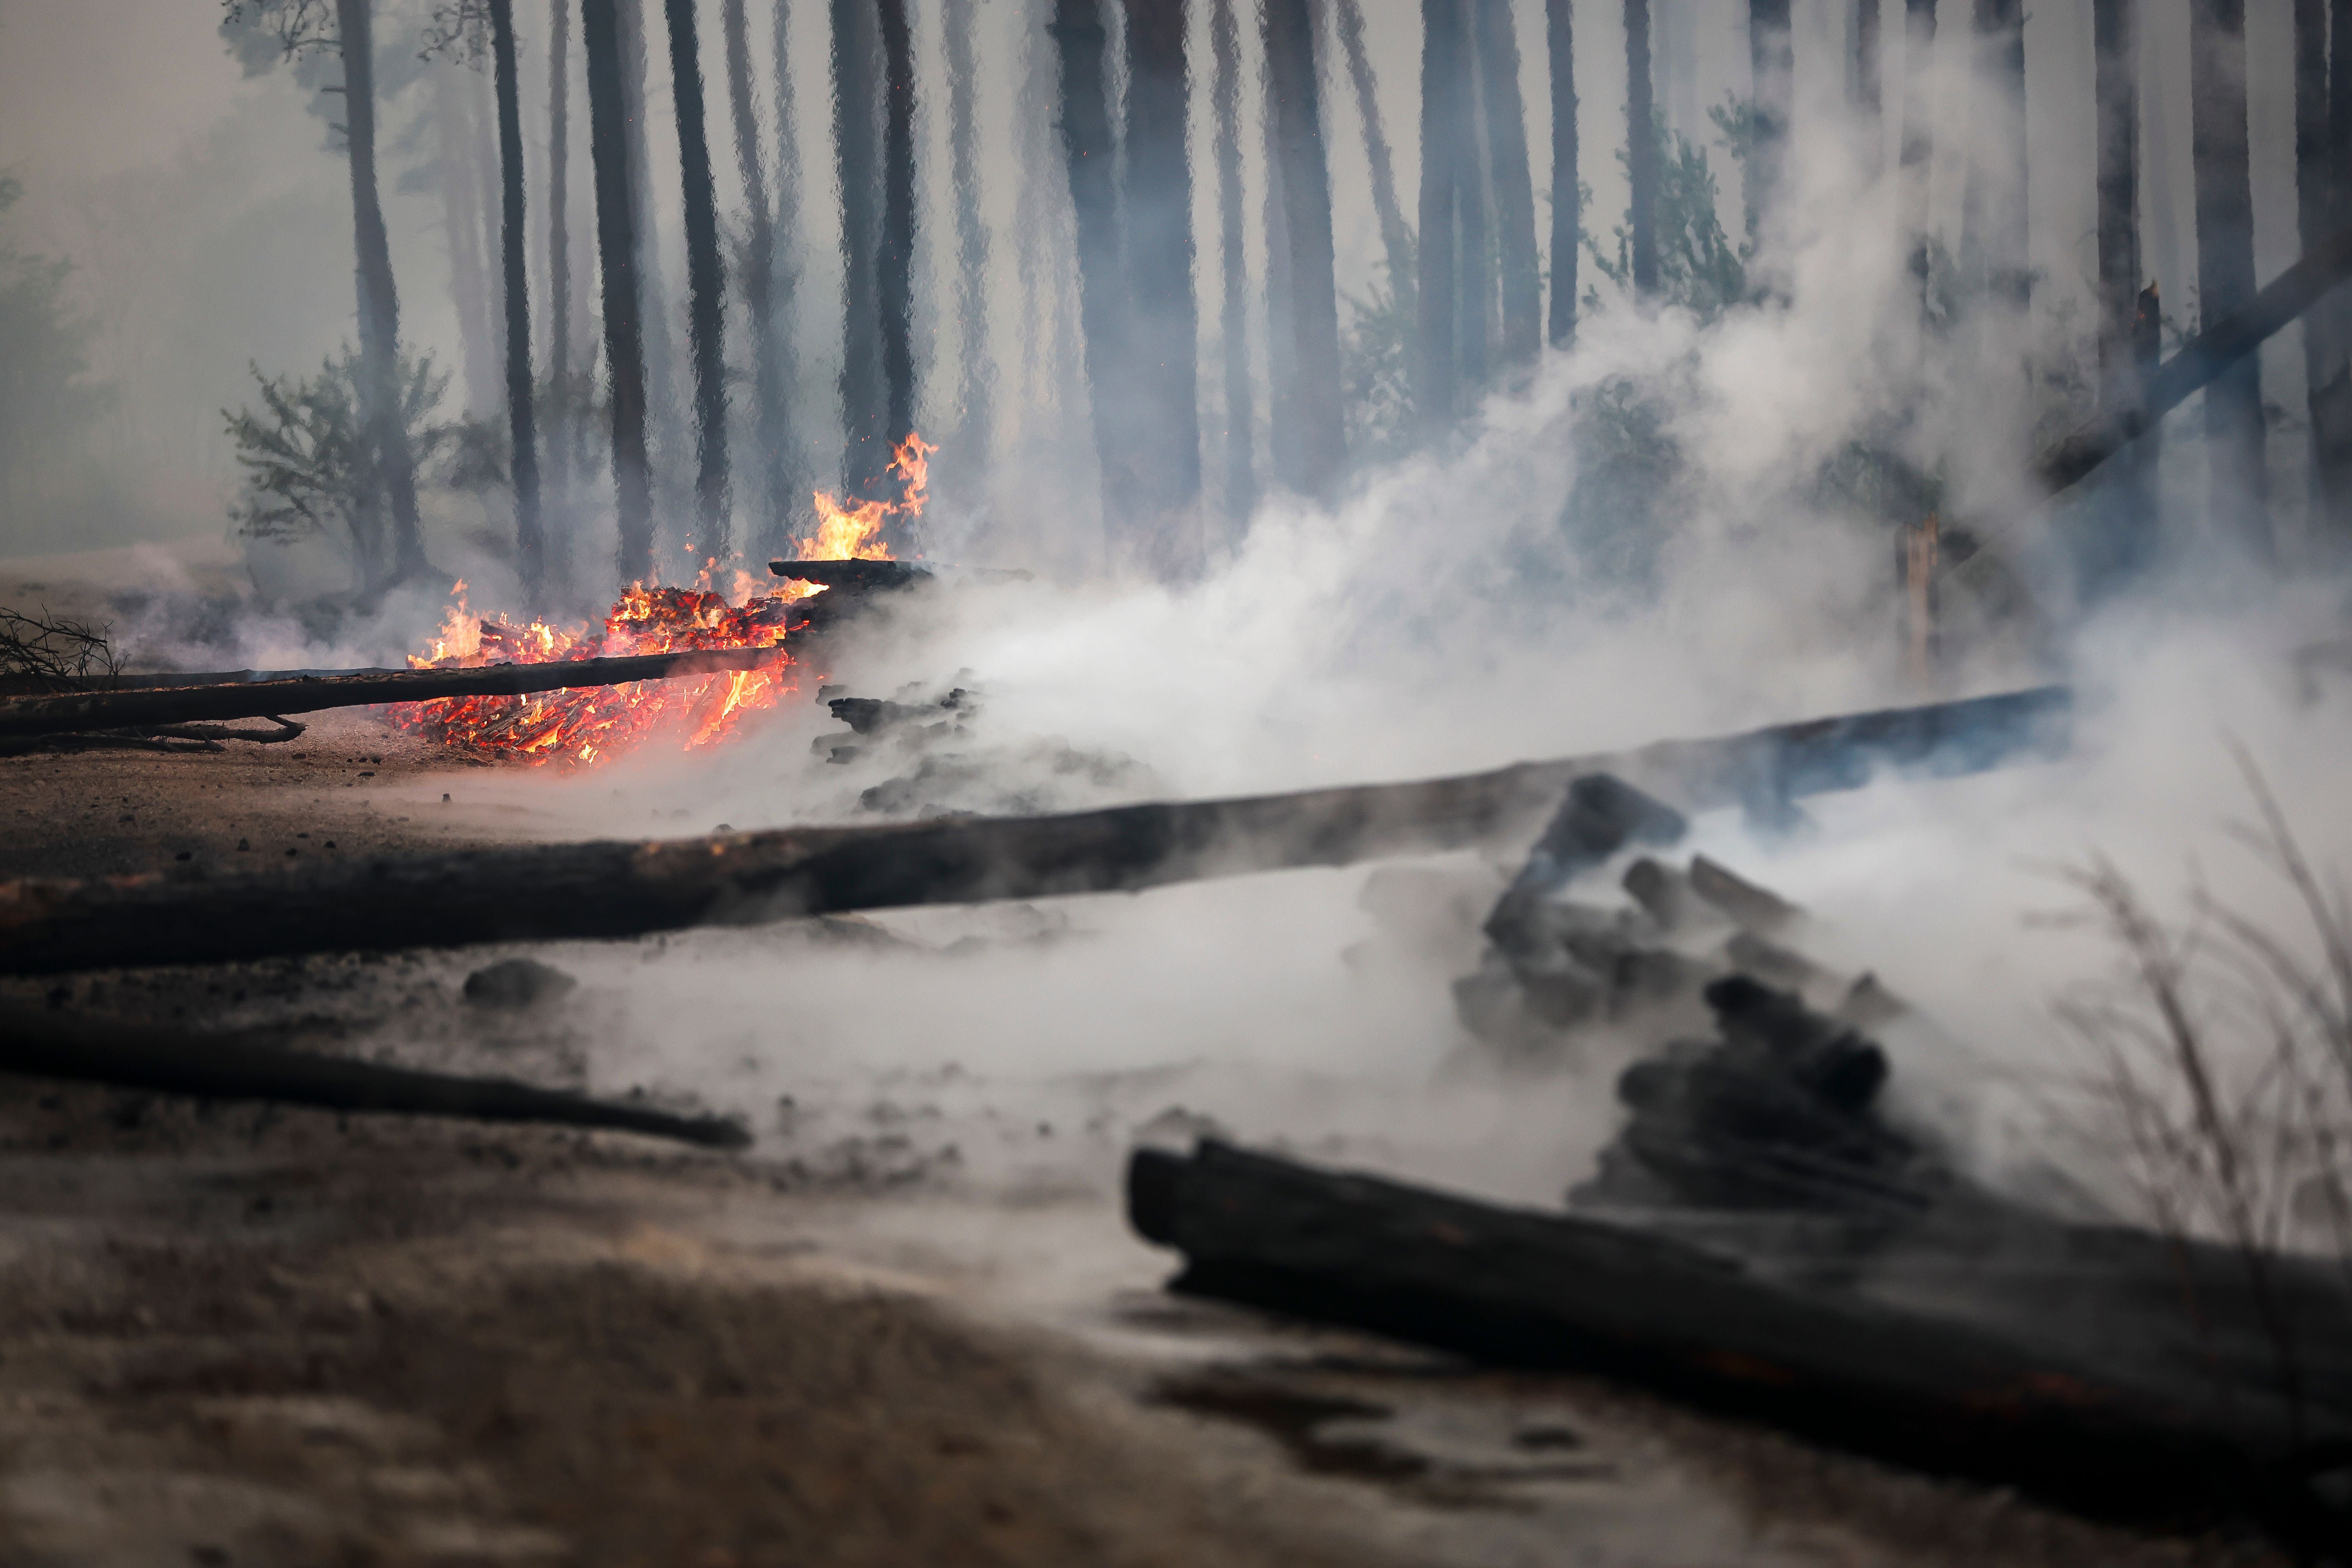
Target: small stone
(242, 844)
(184, 855)
(516, 983)
(445, 800)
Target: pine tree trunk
(1396, 240)
(1997, 185)
(1918, 146)
(975, 371)
(530, 542)
(1306, 207)
(706, 285)
(379, 301)
(2129, 521)
(790, 454)
(2225, 263)
(1515, 200)
(616, 254)
(1475, 313)
(1166, 328)
(894, 264)
(2332, 411)
(663, 410)
(1559, 34)
(1869, 102)
(1641, 150)
(1443, 46)
(770, 422)
(856, 64)
(1772, 71)
(461, 234)
(1282, 416)
(1103, 307)
(1233, 324)
(558, 466)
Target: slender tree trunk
(2315, 209)
(1284, 439)
(706, 281)
(2115, 88)
(856, 65)
(1772, 71)
(1437, 363)
(559, 291)
(1515, 200)
(1567, 220)
(770, 425)
(2225, 262)
(1997, 184)
(790, 449)
(1918, 146)
(1869, 104)
(663, 408)
(1475, 315)
(1166, 329)
(1396, 240)
(1306, 207)
(1641, 150)
(894, 263)
(379, 300)
(461, 233)
(1233, 323)
(530, 542)
(1103, 307)
(616, 254)
(975, 370)
(2331, 409)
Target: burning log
(50, 1044)
(138, 708)
(551, 893)
(858, 576)
(1517, 1287)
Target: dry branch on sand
(545, 892)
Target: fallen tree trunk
(2200, 361)
(137, 707)
(53, 1044)
(550, 893)
(1522, 1289)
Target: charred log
(526, 892)
(87, 710)
(213, 1067)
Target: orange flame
(853, 534)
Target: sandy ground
(238, 1334)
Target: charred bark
(856, 67)
(894, 263)
(1233, 267)
(1772, 73)
(1436, 366)
(1166, 328)
(390, 456)
(1306, 212)
(616, 252)
(2225, 264)
(770, 422)
(1567, 216)
(1642, 150)
(537, 892)
(530, 539)
(229, 1067)
(558, 467)
(706, 281)
(72, 712)
(1520, 272)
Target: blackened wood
(2234, 433)
(215, 1066)
(2211, 354)
(1642, 150)
(526, 892)
(1294, 81)
(616, 257)
(305, 694)
(1523, 1289)
(853, 574)
(1566, 218)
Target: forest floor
(232, 1334)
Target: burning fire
(586, 723)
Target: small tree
(1698, 266)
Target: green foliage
(306, 459)
(47, 402)
(1627, 460)
(1699, 269)
(1376, 370)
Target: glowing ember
(586, 723)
